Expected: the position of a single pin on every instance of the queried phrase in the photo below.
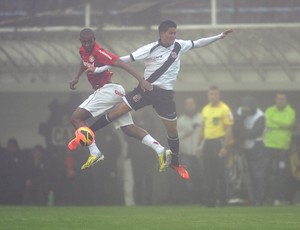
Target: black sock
(100, 123)
(174, 146)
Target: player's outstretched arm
(145, 85)
(106, 67)
(206, 41)
(74, 82)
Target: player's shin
(100, 123)
(152, 143)
(174, 146)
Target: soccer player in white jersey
(162, 62)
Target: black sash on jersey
(161, 70)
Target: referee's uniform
(214, 119)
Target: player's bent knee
(127, 130)
(132, 131)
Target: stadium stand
(250, 58)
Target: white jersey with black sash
(162, 63)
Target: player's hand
(224, 33)
(90, 69)
(73, 83)
(146, 85)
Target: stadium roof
(251, 58)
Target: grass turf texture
(151, 217)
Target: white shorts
(105, 99)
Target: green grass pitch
(149, 218)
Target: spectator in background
(295, 169)
(3, 154)
(142, 160)
(14, 173)
(108, 176)
(216, 133)
(248, 133)
(37, 185)
(189, 125)
(280, 119)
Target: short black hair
(87, 32)
(165, 25)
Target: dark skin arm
(74, 82)
(145, 85)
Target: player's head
(214, 95)
(87, 39)
(167, 32)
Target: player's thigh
(103, 99)
(123, 120)
(171, 127)
(80, 114)
(164, 105)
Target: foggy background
(39, 56)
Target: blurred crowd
(38, 177)
(262, 164)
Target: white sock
(94, 149)
(154, 144)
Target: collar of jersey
(160, 43)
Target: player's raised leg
(78, 119)
(173, 141)
(164, 155)
(84, 136)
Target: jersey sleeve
(105, 57)
(186, 45)
(142, 52)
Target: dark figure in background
(3, 154)
(143, 162)
(295, 171)
(38, 182)
(65, 190)
(248, 133)
(188, 124)
(14, 173)
(57, 131)
(107, 183)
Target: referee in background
(216, 136)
